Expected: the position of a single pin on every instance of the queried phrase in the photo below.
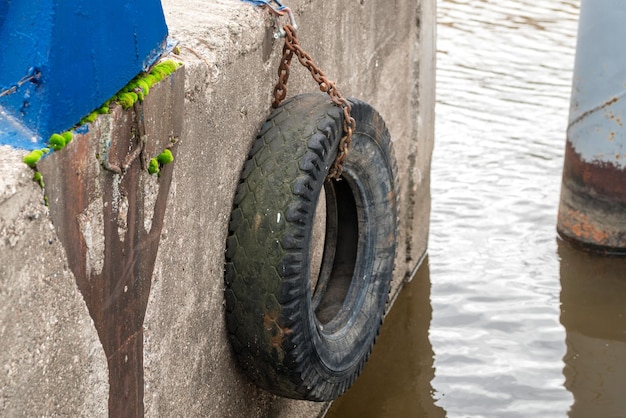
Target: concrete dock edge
(59, 343)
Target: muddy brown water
(503, 319)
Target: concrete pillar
(592, 211)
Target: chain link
(291, 47)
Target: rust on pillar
(592, 212)
(110, 225)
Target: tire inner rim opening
(334, 255)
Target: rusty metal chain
(291, 47)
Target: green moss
(165, 157)
(159, 73)
(67, 135)
(153, 168)
(56, 142)
(145, 88)
(163, 69)
(104, 109)
(150, 80)
(136, 89)
(144, 82)
(157, 163)
(90, 118)
(38, 178)
(34, 156)
(127, 99)
(59, 141)
(169, 65)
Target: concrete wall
(111, 298)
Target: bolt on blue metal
(62, 59)
(33, 74)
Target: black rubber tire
(289, 339)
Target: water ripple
(504, 81)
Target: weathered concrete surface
(52, 361)
(380, 52)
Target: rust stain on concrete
(111, 234)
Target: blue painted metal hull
(82, 51)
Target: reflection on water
(504, 82)
(521, 325)
(401, 366)
(593, 312)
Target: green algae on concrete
(159, 161)
(136, 90)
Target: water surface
(504, 320)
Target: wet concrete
(51, 356)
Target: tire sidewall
(276, 335)
(339, 353)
